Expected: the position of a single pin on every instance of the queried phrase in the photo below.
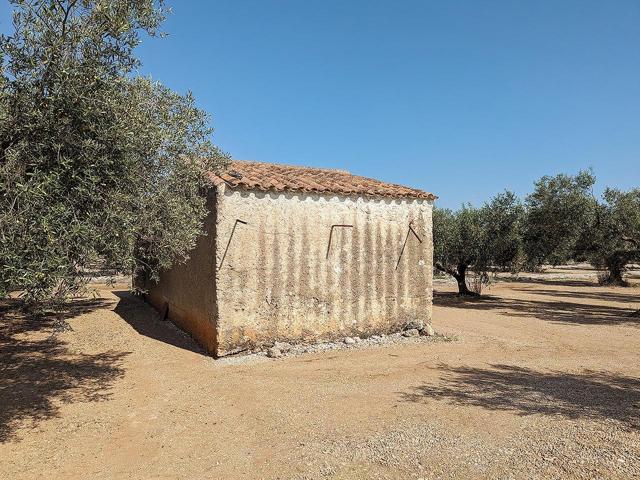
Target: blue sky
(461, 98)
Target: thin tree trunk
(461, 278)
(459, 273)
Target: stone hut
(301, 254)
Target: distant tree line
(560, 221)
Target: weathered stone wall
(188, 290)
(277, 277)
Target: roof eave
(217, 181)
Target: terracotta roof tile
(277, 177)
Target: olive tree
(615, 234)
(478, 239)
(98, 166)
(459, 240)
(558, 213)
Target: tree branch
(66, 11)
(443, 269)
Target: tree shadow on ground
(38, 373)
(560, 311)
(549, 281)
(590, 394)
(633, 295)
(146, 321)
(630, 277)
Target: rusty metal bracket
(331, 237)
(411, 230)
(233, 230)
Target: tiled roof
(281, 178)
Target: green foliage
(98, 167)
(615, 233)
(503, 218)
(459, 237)
(481, 239)
(445, 239)
(459, 243)
(559, 211)
(565, 221)
(560, 221)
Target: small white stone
(349, 340)
(428, 330)
(274, 352)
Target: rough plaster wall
(189, 289)
(275, 281)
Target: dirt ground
(543, 381)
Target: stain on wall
(277, 281)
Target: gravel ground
(432, 451)
(285, 349)
(541, 381)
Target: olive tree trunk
(459, 273)
(616, 265)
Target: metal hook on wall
(411, 230)
(331, 236)
(233, 230)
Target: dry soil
(543, 381)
